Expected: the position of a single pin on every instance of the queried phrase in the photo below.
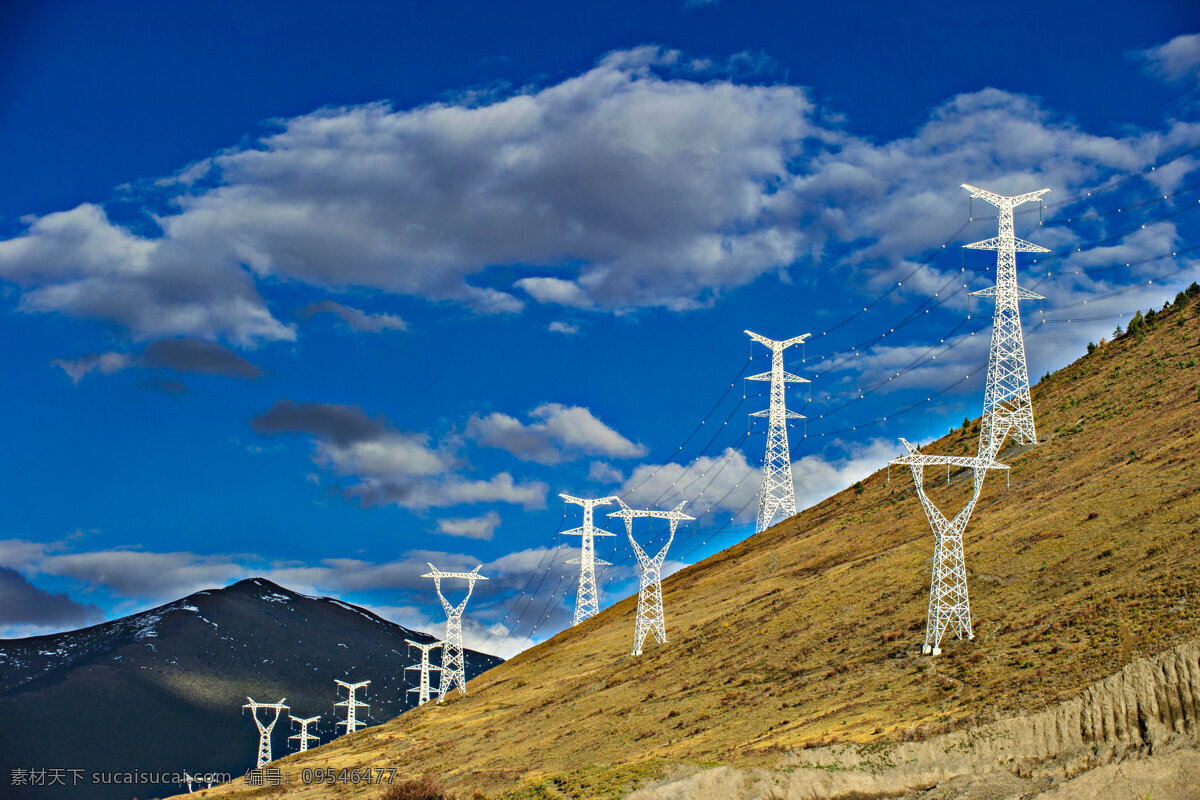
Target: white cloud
(105, 363)
(563, 327)
(603, 472)
(555, 290)
(386, 466)
(558, 434)
(136, 573)
(645, 181)
(354, 318)
(1176, 60)
(730, 483)
(78, 263)
(718, 483)
(662, 189)
(470, 527)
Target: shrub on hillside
(424, 789)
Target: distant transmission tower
(650, 602)
(454, 670)
(587, 602)
(264, 730)
(1006, 401)
(423, 689)
(351, 703)
(949, 606)
(777, 497)
(304, 736)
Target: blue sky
(322, 295)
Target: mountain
(161, 691)
(810, 633)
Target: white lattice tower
(650, 603)
(187, 776)
(777, 497)
(1006, 401)
(949, 603)
(423, 688)
(264, 730)
(587, 601)
(454, 671)
(304, 736)
(351, 703)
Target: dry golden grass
(810, 632)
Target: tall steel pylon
(650, 603)
(587, 601)
(778, 494)
(422, 689)
(351, 703)
(264, 730)
(454, 672)
(1006, 401)
(304, 736)
(949, 604)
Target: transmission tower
(1006, 401)
(949, 606)
(424, 666)
(264, 730)
(304, 736)
(453, 666)
(650, 602)
(587, 602)
(777, 495)
(351, 703)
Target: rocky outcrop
(1133, 733)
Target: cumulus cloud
(648, 180)
(563, 327)
(662, 188)
(387, 466)
(1175, 60)
(558, 434)
(104, 363)
(470, 527)
(354, 318)
(79, 263)
(603, 472)
(141, 574)
(729, 483)
(22, 603)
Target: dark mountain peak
(254, 586)
(189, 665)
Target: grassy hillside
(810, 632)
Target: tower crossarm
(588, 501)
(786, 377)
(995, 243)
(774, 344)
(1001, 201)
(916, 458)
(786, 414)
(436, 574)
(674, 517)
(1022, 294)
(470, 577)
(580, 531)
